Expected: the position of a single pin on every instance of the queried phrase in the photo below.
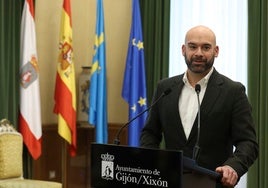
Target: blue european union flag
(98, 94)
(134, 86)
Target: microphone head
(197, 88)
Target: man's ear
(216, 49)
(183, 49)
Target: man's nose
(199, 51)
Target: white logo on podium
(107, 166)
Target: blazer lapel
(212, 93)
(177, 92)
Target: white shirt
(188, 103)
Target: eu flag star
(133, 108)
(140, 45)
(142, 101)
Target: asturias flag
(97, 90)
(30, 113)
(134, 86)
(65, 90)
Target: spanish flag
(65, 90)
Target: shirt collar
(202, 82)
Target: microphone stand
(117, 140)
(197, 147)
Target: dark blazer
(226, 121)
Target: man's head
(200, 49)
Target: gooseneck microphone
(117, 140)
(196, 147)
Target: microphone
(117, 140)
(196, 147)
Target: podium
(197, 176)
(124, 166)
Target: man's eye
(192, 47)
(206, 48)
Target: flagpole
(64, 164)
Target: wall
(117, 15)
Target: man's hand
(229, 175)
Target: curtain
(10, 11)
(9, 58)
(155, 23)
(258, 86)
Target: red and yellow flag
(65, 91)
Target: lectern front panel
(123, 166)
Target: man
(226, 118)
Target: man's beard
(200, 68)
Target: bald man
(226, 117)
